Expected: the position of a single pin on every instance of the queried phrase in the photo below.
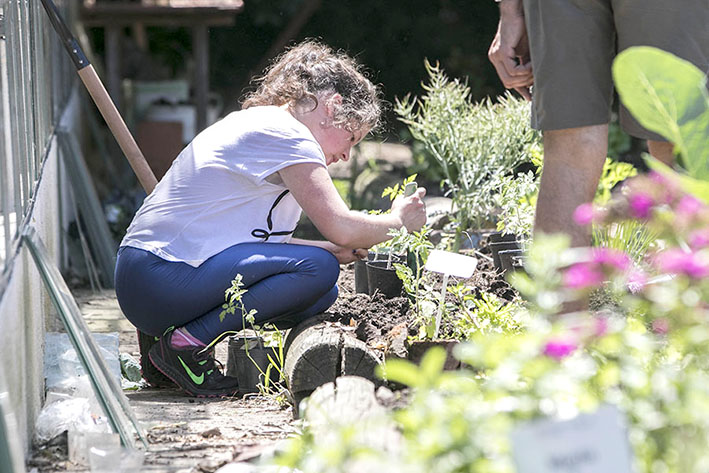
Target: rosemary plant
(476, 144)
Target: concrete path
(187, 434)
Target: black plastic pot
(360, 277)
(511, 260)
(360, 270)
(497, 237)
(247, 370)
(497, 247)
(382, 280)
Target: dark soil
(385, 324)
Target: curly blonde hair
(298, 75)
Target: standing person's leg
(573, 161)
(662, 150)
(572, 45)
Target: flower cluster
(668, 285)
(602, 264)
(649, 198)
(680, 221)
(579, 331)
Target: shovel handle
(102, 99)
(118, 128)
(70, 43)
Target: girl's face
(335, 141)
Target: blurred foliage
(343, 188)
(390, 38)
(668, 95)
(619, 142)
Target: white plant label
(588, 443)
(454, 264)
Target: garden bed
(383, 323)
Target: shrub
(476, 144)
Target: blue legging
(285, 283)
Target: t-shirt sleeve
(270, 150)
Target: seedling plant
(272, 337)
(399, 238)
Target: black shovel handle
(68, 40)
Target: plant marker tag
(445, 262)
(448, 263)
(588, 443)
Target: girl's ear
(332, 103)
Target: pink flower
(676, 261)
(584, 214)
(667, 187)
(614, 258)
(636, 281)
(689, 206)
(640, 205)
(699, 238)
(581, 276)
(601, 326)
(660, 326)
(559, 348)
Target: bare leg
(662, 150)
(573, 161)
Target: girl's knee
(326, 266)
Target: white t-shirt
(215, 194)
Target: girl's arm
(314, 191)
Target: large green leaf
(667, 95)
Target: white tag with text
(588, 443)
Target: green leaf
(401, 371)
(432, 363)
(667, 95)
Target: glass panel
(35, 84)
(5, 168)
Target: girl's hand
(343, 255)
(346, 255)
(411, 210)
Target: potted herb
(250, 358)
(379, 271)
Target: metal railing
(35, 83)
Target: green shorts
(573, 43)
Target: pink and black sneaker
(193, 369)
